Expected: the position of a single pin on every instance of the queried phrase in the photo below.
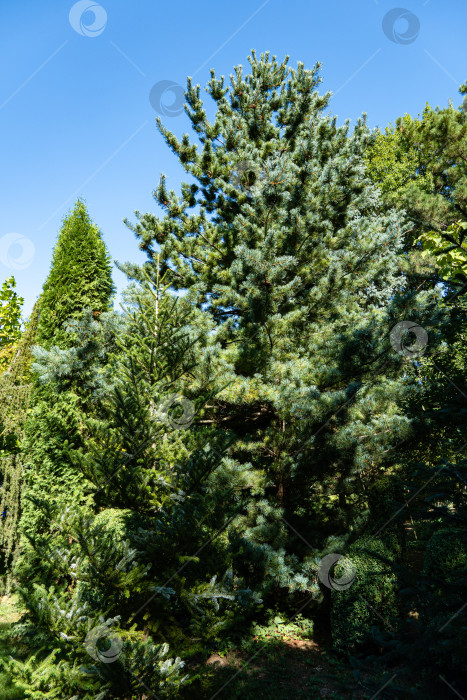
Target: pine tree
(79, 278)
(283, 240)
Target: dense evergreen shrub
(385, 499)
(446, 553)
(371, 600)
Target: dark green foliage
(79, 278)
(446, 552)
(421, 167)
(431, 635)
(385, 500)
(51, 480)
(149, 498)
(370, 602)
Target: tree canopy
(268, 438)
(79, 277)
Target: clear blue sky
(75, 114)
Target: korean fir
(144, 554)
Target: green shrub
(119, 523)
(424, 529)
(385, 497)
(446, 553)
(370, 600)
(441, 603)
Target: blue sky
(75, 114)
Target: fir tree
(79, 278)
(160, 490)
